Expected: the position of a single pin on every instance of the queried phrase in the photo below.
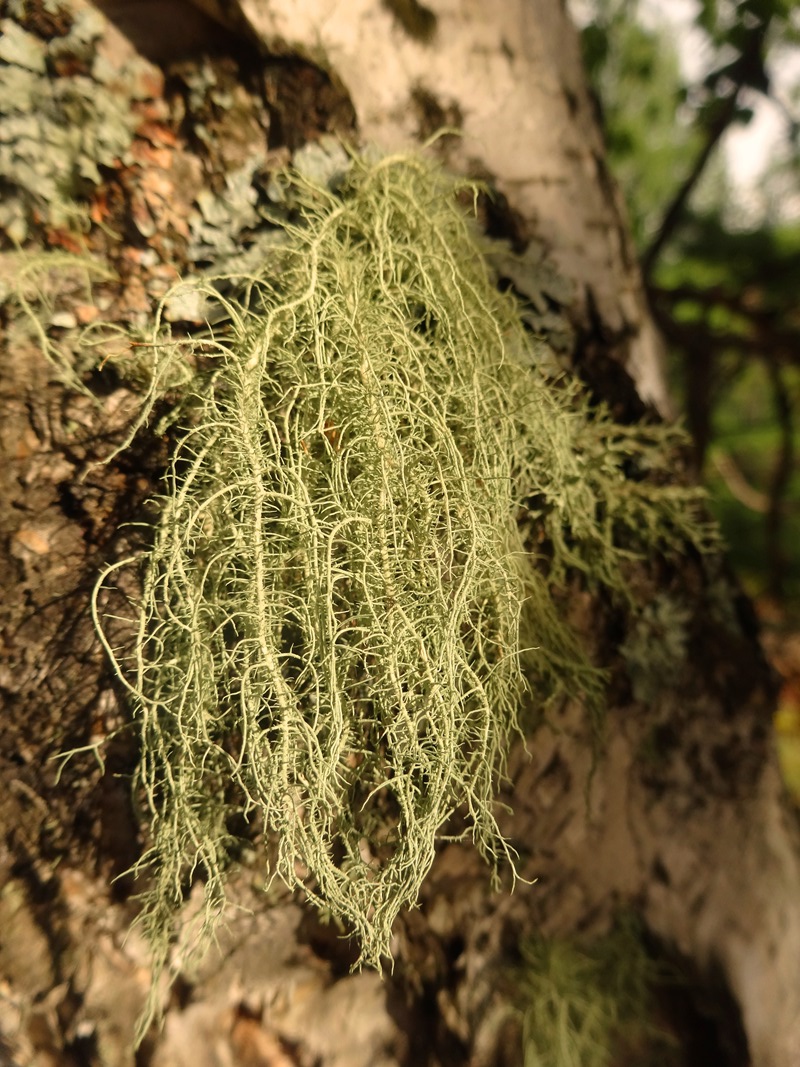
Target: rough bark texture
(684, 817)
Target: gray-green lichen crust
(55, 132)
(329, 633)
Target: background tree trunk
(683, 816)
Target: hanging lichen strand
(329, 630)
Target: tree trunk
(681, 817)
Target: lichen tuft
(328, 638)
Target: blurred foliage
(647, 136)
(722, 270)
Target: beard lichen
(328, 635)
(593, 1004)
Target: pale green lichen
(545, 293)
(231, 124)
(57, 132)
(655, 647)
(590, 1004)
(328, 638)
(39, 291)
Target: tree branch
(675, 211)
(779, 346)
(740, 73)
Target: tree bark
(681, 816)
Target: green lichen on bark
(592, 1003)
(329, 638)
(655, 647)
(66, 113)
